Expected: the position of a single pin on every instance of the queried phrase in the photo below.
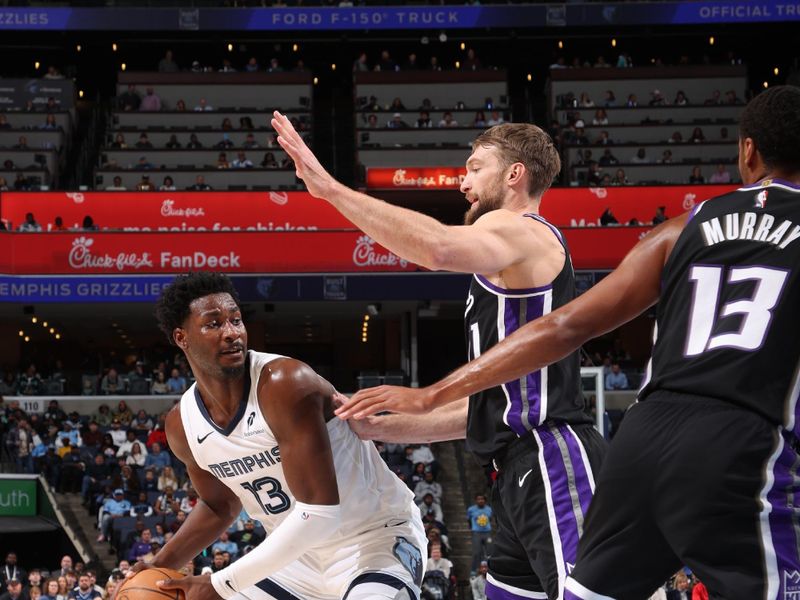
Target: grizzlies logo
(410, 557)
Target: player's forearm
(443, 424)
(408, 234)
(534, 346)
(307, 526)
(201, 529)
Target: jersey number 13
(756, 310)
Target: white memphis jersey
(246, 458)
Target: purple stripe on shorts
(582, 479)
(783, 521)
(497, 593)
(563, 507)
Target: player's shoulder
(499, 217)
(290, 378)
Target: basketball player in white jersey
(257, 431)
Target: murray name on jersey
(751, 226)
(246, 464)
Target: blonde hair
(527, 144)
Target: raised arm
(628, 291)
(494, 242)
(215, 511)
(295, 401)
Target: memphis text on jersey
(242, 466)
(750, 226)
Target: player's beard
(490, 200)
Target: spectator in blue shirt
(176, 383)
(113, 508)
(157, 458)
(616, 379)
(480, 516)
(224, 544)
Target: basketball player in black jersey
(532, 429)
(704, 469)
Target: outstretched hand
(402, 400)
(196, 587)
(319, 182)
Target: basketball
(142, 586)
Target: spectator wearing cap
(113, 508)
(478, 583)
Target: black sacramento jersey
(728, 325)
(500, 415)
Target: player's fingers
(169, 584)
(359, 408)
(286, 126)
(379, 405)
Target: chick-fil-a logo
(81, 257)
(168, 209)
(365, 255)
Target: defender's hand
(318, 181)
(401, 400)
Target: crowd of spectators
(412, 62)
(70, 580)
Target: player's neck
(221, 396)
(522, 204)
(793, 178)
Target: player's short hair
(172, 307)
(528, 144)
(772, 121)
